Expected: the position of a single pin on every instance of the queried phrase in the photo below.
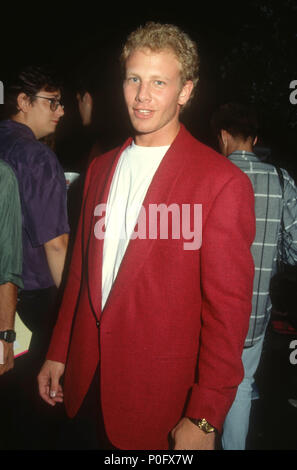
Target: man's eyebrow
(160, 77)
(130, 72)
(151, 77)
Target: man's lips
(142, 113)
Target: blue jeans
(236, 424)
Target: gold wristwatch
(203, 424)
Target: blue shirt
(42, 188)
(269, 207)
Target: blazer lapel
(159, 192)
(94, 246)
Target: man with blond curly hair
(152, 324)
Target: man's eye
(133, 79)
(159, 83)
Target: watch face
(205, 426)
(208, 427)
(12, 336)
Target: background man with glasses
(33, 108)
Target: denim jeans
(236, 424)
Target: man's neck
(19, 118)
(240, 147)
(244, 148)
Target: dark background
(248, 52)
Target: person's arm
(10, 258)
(290, 219)
(8, 299)
(186, 435)
(45, 208)
(56, 250)
(227, 273)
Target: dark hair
(240, 120)
(29, 80)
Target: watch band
(203, 424)
(8, 335)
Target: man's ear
(23, 102)
(185, 92)
(224, 136)
(85, 105)
(224, 142)
(87, 98)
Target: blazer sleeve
(227, 272)
(59, 344)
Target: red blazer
(173, 328)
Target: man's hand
(50, 389)
(187, 436)
(7, 362)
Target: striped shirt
(268, 208)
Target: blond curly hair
(157, 37)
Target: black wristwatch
(8, 336)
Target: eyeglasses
(54, 102)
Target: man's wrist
(203, 424)
(9, 335)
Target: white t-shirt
(133, 175)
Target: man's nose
(60, 110)
(143, 93)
